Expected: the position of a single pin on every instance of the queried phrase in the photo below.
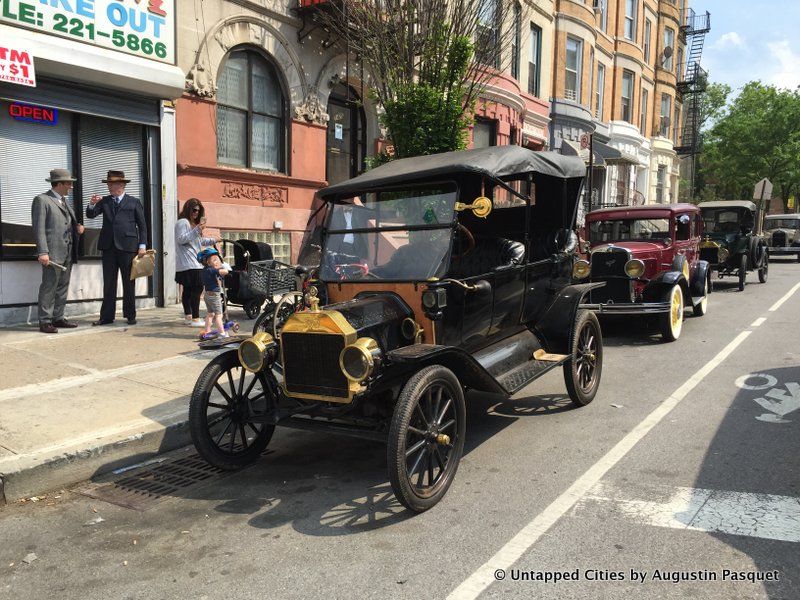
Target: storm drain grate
(149, 485)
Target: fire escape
(692, 85)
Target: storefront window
(251, 110)
(28, 151)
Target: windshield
(390, 235)
(782, 224)
(628, 230)
(726, 220)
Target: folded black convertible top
(497, 162)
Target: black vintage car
(730, 244)
(436, 275)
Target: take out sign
(16, 65)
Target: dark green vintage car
(730, 244)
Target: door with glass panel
(345, 148)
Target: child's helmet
(206, 253)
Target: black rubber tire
(198, 417)
(763, 272)
(582, 394)
(798, 257)
(413, 391)
(252, 308)
(742, 272)
(701, 308)
(668, 332)
(678, 262)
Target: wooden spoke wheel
(426, 438)
(671, 323)
(582, 371)
(228, 412)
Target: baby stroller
(238, 288)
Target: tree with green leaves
(757, 135)
(430, 60)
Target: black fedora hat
(116, 177)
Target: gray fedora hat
(59, 175)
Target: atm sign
(33, 113)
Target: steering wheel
(470, 239)
(348, 270)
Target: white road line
(481, 579)
(58, 385)
(765, 516)
(758, 322)
(788, 295)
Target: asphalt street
(681, 480)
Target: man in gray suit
(56, 231)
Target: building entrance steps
(90, 400)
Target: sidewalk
(93, 399)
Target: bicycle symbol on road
(778, 400)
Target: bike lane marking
(513, 550)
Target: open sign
(33, 113)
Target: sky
(752, 39)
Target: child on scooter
(212, 292)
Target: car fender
(661, 283)
(410, 359)
(554, 328)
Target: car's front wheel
(227, 413)
(426, 437)
(583, 369)
(742, 272)
(671, 323)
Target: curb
(31, 475)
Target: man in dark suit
(124, 234)
(56, 232)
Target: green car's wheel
(671, 323)
(763, 272)
(426, 437)
(582, 371)
(742, 271)
(226, 413)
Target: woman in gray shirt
(188, 240)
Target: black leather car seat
(489, 254)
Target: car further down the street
(730, 244)
(648, 257)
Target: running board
(518, 377)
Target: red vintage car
(649, 258)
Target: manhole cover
(145, 487)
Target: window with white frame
(487, 46)
(534, 59)
(280, 242)
(631, 7)
(603, 6)
(599, 94)
(661, 181)
(669, 42)
(643, 115)
(676, 121)
(648, 33)
(572, 82)
(251, 107)
(517, 42)
(627, 96)
(666, 111)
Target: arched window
(251, 113)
